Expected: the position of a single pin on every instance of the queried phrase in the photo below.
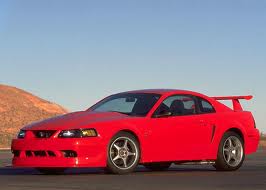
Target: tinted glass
(205, 106)
(134, 104)
(177, 105)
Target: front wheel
(231, 153)
(123, 153)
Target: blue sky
(76, 52)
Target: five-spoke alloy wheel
(231, 152)
(123, 153)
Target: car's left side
(153, 128)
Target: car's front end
(58, 148)
(82, 139)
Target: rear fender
(220, 133)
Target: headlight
(89, 133)
(69, 134)
(78, 133)
(21, 134)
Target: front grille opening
(51, 154)
(16, 153)
(39, 153)
(44, 133)
(69, 153)
(28, 153)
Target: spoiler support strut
(235, 99)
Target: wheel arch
(136, 135)
(237, 131)
(130, 132)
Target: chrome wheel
(233, 151)
(123, 153)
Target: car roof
(170, 92)
(163, 91)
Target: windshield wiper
(121, 112)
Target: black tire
(158, 166)
(51, 171)
(221, 164)
(118, 166)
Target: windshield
(133, 104)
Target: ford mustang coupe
(154, 128)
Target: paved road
(251, 176)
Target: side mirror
(163, 114)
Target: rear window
(205, 106)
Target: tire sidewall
(221, 164)
(111, 168)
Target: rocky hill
(18, 108)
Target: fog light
(69, 153)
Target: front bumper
(90, 152)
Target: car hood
(75, 120)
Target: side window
(205, 106)
(177, 105)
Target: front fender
(108, 130)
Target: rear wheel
(123, 153)
(231, 152)
(51, 171)
(158, 166)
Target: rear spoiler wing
(235, 99)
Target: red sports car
(155, 128)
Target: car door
(183, 135)
(208, 126)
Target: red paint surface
(177, 138)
